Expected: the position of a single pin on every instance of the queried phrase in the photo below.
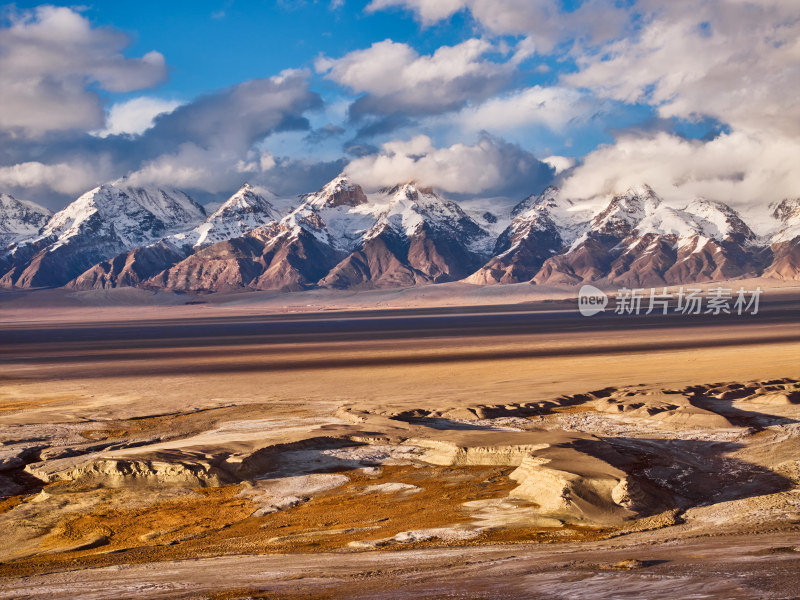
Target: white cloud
(191, 167)
(559, 163)
(397, 78)
(429, 11)
(740, 168)
(257, 162)
(136, 115)
(51, 57)
(553, 107)
(488, 165)
(735, 60)
(388, 67)
(544, 21)
(65, 178)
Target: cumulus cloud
(208, 145)
(546, 22)
(737, 61)
(209, 142)
(744, 169)
(190, 167)
(136, 115)
(51, 58)
(491, 165)
(554, 107)
(396, 79)
(559, 163)
(235, 118)
(65, 178)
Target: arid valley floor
(496, 451)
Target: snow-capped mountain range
(20, 219)
(339, 237)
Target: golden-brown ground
(134, 456)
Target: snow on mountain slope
(417, 236)
(131, 216)
(787, 220)
(637, 240)
(244, 211)
(784, 241)
(543, 225)
(20, 219)
(492, 214)
(625, 211)
(337, 215)
(550, 210)
(100, 224)
(400, 236)
(406, 209)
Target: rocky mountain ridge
(340, 237)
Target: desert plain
(226, 448)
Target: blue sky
(476, 97)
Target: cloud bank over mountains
(596, 95)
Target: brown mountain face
(403, 236)
(100, 224)
(786, 261)
(439, 257)
(590, 261)
(380, 262)
(644, 262)
(637, 241)
(714, 261)
(418, 238)
(542, 226)
(53, 267)
(650, 261)
(337, 193)
(388, 260)
(518, 258)
(129, 268)
(262, 260)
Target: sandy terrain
(349, 456)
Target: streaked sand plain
(400, 453)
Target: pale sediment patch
(272, 495)
(457, 533)
(394, 488)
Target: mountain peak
(134, 213)
(787, 214)
(340, 191)
(20, 219)
(625, 211)
(244, 211)
(787, 210)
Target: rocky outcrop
(113, 472)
